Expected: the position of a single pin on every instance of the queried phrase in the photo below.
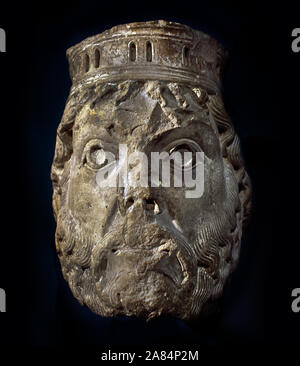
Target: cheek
(86, 200)
(189, 211)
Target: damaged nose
(141, 201)
(152, 206)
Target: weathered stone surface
(147, 251)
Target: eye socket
(187, 149)
(94, 156)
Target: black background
(261, 94)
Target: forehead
(137, 117)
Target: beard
(140, 268)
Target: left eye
(187, 149)
(94, 155)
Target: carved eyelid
(195, 147)
(183, 141)
(102, 144)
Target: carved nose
(141, 200)
(152, 205)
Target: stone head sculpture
(147, 250)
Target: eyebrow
(125, 108)
(101, 133)
(105, 136)
(185, 127)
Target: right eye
(183, 146)
(94, 156)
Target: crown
(154, 50)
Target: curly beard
(143, 269)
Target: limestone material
(147, 251)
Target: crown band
(157, 50)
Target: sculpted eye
(187, 149)
(94, 156)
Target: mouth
(115, 263)
(137, 271)
(138, 280)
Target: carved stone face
(147, 251)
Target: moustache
(137, 249)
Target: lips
(120, 263)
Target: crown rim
(148, 50)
